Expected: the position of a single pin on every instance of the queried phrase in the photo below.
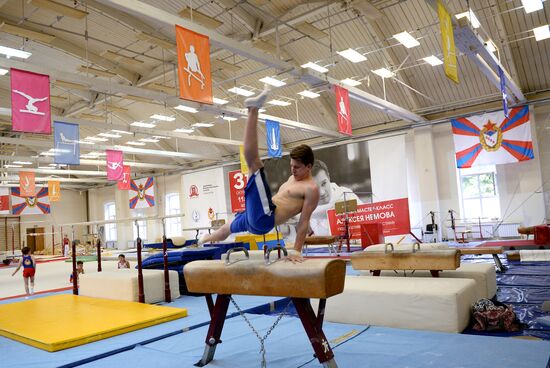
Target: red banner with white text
(393, 215)
(237, 183)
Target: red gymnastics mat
(514, 243)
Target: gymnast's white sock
(258, 100)
(200, 242)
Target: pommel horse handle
(277, 248)
(233, 250)
(386, 247)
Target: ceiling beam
(50, 160)
(470, 43)
(308, 77)
(80, 53)
(125, 149)
(242, 16)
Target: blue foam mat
(354, 346)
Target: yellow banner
(448, 42)
(244, 166)
(54, 190)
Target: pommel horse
(313, 278)
(415, 259)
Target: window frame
(173, 224)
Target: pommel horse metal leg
(217, 319)
(313, 326)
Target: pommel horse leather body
(435, 260)
(313, 278)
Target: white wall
(431, 176)
(71, 208)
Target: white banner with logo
(204, 199)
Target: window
(173, 225)
(480, 192)
(110, 214)
(142, 224)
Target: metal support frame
(167, 293)
(313, 326)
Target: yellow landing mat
(59, 322)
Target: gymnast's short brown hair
(303, 153)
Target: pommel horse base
(435, 261)
(313, 278)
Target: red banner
(4, 202)
(194, 76)
(393, 215)
(30, 102)
(237, 183)
(124, 183)
(342, 108)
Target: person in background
(122, 262)
(329, 194)
(66, 243)
(79, 270)
(29, 269)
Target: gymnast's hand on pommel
(294, 258)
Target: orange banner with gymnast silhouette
(393, 215)
(26, 183)
(194, 75)
(54, 190)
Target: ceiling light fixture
(143, 125)
(313, 66)
(9, 52)
(241, 91)
(531, 5)
(227, 118)
(350, 82)
(184, 130)
(384, 73)
(186, 109)
(541, 33)
(149, 140)
(12, 166)
(432, 60)
(203, 125)
(272, 81)
(352, 55)
(162, 117)
(219, 101)
(97, 139)
(309, 94)
(406, 39)
(279, 103)
(122, 131)
(22, 162)
(134, 143)
(109, 135)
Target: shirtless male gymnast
(298, 195)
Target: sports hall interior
(430, 124)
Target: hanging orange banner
(194, 77)
(26, 184)
(54, 190)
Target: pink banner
(30, 102)
(342, 108)
(125, 182)
(115, 166)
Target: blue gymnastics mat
(354, 346)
